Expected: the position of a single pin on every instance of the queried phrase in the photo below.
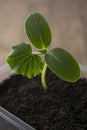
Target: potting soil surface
(63, 106)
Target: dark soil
(63, 106)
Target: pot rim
(5, 71)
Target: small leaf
(22, 61)
(38, 31)
(63, 64)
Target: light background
(67, 19)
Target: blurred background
(67, 19)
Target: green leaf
(38, 31)
(22, 61)
(63, 64)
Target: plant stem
(43, 76)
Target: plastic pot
(9, 121)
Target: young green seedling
(23, 61)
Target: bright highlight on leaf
(38, 31)
(22, 61)
(63, 64)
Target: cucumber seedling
(23, 60)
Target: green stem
(43, 76)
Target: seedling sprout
(23, 61)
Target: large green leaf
(63, 64)
(22, 61)
(38, 31)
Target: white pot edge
(5, 71)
